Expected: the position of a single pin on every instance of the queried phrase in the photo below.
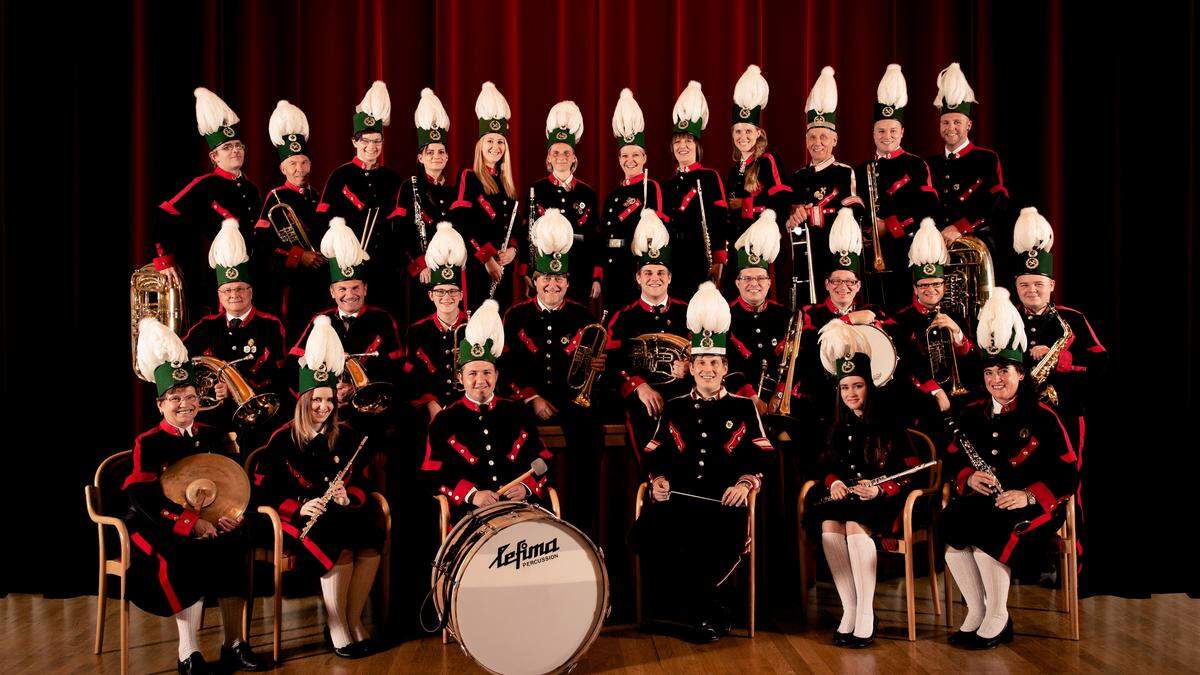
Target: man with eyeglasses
(429, 360)
(183, 226)
(758, 324)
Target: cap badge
(929, 268)
(369, 121)
(753, 258)
(321, 375)
(888, 111)
(228, 131)
(294, 146)
(231, 272)
(847, 366)
(744, 113)
(476, 350)
(447, 273)
(347, 270)
(435, 135)
(494, 125)
(844, 260)
(179, 374)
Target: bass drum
(526, 592)
(883, 354)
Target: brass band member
(177, 557)
(867, 441)
(708, 452)
(297, 476)
(699, 228)
(623, 206)
(486, 200)
(482, 441)
(575, 199)
(758, 325)
(755, 181)
(430, 345)
(299, 268)
(1003, 514)
(184, 226)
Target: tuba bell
(969, 277)
(152, 294)
(368, 398)
(580, 375)
(252, 409)
(655, 353)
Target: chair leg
(101, 608)
(277, 611)
(1073, 576)
(949, 582)
(637, 588)
(803, 571)
(248, 608)
(124, 630)
(909, 594)
(933, 584)
(753, 589)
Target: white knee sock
(231, 620)
(862, 562)
(996, 576)
(187, 621)
(365, 567)
(334, 585)
(966, 574)
(838, 557)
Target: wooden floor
(1161, 635)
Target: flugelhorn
(152, 294)
(943, 361)
(252, 409)
(369, 398)
(287, 224)
(580, 375)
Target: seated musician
(298, 475)
(708, 452)
(479, 444)
(654, 312)
(430, 341)
(1003, 508)
(867, 441)
(758, 324)
(177, 557)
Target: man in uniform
(184, 226)
(430, 346)
(757, 330)
(708, 453)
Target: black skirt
(1013, 537)
(880, 515)
(169, 572)
(341, 528)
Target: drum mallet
(537, 468)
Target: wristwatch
(1030, 497)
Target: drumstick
(687, 494)
(536, 468)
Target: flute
(312, 520)
(883, 479)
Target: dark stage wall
(1093, 115)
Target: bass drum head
(532, 597)
(883, 354)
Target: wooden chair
(643, 491)
(905, 545)
(552, 435)
(118, 566)
(1068, 566)
(285, 562)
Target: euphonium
(287, 225)
(655, 353)
(152, 294)
(252, 409)
(943, 362)
(970, 277)
(369, 398)
(580, 375)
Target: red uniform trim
(735, 438)
(309, 544)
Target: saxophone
(1041, 372)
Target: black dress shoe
(962, 638)
(366, 647)
(704, 632)
(350, 651)
(840, 638)
(194, 665)
(241, 657)
(855, 642)
(1004, 636)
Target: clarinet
(704, 228)
(968, 448)
(418, 217)
(337, 480)
(883, 479)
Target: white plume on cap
(691, 105)
(840, 340)
(708, 310)
(953, 87)
(627, 119)
(1031, 231)
(845, 236)
(377, 103)
(340, 243)
(552, 233)
(650, 233)
(286, 119)
(762, 237)
(430, 113)
(999, 321)
(751, 89)
(824, 95)
(211, 112)
(323, 350)
(157, 345)
(491, 104)
(565, 115)
(446, 247)
(228, 247)
(927, 246)
(893, 90)
(485, 324)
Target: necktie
(235, 324)
(953, 155)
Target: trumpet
(287, 224)
(943, 362)
(252, 409)
(152, 294)
(369, 398)
(580, 375)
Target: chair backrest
(927, 450)
(108, 481)
(252, 461)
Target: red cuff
(782, 187)
(894, 226)
(890, 488)
(929, 386)
(459, 494)
(964, 347)
(422, 400)
(415, 267)
(322, 207)
(963, 225)
(164, 262)
(357, 496)
(293, 257)
(526, 393)
(534, 484)
(1045, 498)
(288, 509)
(597, 273)
(628, 386)
(747, 390)
(960, 481)
(485, 253)
(262, 224)
(721, 256)
(831, 479)
(398, 212)
(186, 523)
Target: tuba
(369, 398)
(580, 375)
(655, 353)
(287, 225)
(252, 409)
(943, 362)
(970, 277)
(152, 294)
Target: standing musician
(967, 177)
(905, 192)
(300, 474)
(654, 312)
(823, 187)
(363, 192)
(1003, 508)
(240, 332)
(755, 182)
(758, 325)
(708, 452)
(1072, 364)
(486, 202)
(867, 441)
(297, 266)
(177, 557)
(699, 227)
(184, 226)
(575, 199)
(430, 342)
(623, 206)
(542, 335)
(481, 442)
(420, 206)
